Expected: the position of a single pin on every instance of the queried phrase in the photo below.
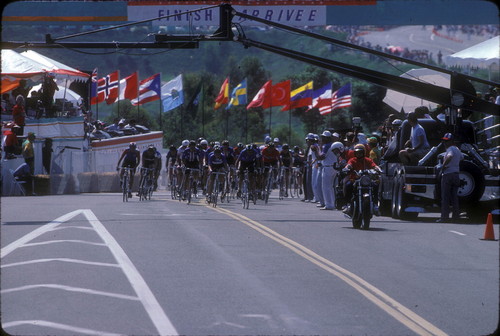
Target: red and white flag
(281, 94)
(263, 97)
(322, 99)
(149, 90)
(107, 88)
(129, 87)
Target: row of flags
(280, 94)
(111, 88)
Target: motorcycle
(362, 205)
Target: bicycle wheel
(269, 187)
(190, 191)
(244, 194)
(173, 187)
(125, 187)
(215, 193)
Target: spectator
(417, 146)
(19, 113)
(375, 153)
(11, 143)
(29, 151)
(450, 180)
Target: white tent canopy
(481, 55)
(401, 101)
(19, 66)
(59, 70)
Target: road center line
(458, 233)
(402, 314)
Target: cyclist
(192, 158)
(247, 160)
(158, 165)
(170, 161)
(149, 161)
(217, 162)
(286, 160)
(298, 163)
(205, 151)
(230, 158)
(271, 159)
(131, 158)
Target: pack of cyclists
(310, 173)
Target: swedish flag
(239, 95)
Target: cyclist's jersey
(216, 163)
(270, 155)
(148, 159)
(298, 161)
(248, 156)
(229, 154)
(192, 158)
(286, 159)
(131, 158)
(171, 157)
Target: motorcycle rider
(359, 162)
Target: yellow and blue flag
(239, 95)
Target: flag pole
(202, 111)
(290, 126)
(161, 123)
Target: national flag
(129, 87)
(300, 97)
(281, 94)
(94, 97)
(223, 96)
(149, 90)
(239, 95)
(263, 97)
(172, 94)
(342, 97)
(195, 100)
(322, 99)
(107, 87)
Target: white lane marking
(48, 242)
(148, 300)
(68, 260)
(458, 233)
(146, 296)
(70, 289)
(38, 232)
(60, 326)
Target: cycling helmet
(267, 139)
(249, 146)
(285, 146)
(225, 143)
(359, 148)
(217, 143)
(192, 143)
(296, 148)
(172, 147)
(132, 145)
(204, 142)
(276, 140)
(185, 142)
(217, 149)
(240, 145)
(338, 145)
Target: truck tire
(402, 201)
(471, 183)
(395, 190)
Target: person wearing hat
(375, 153)
(450, 180)
(28, 151)
(327, 172)
(307, 180)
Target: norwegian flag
(107, 88)
(342, 97)
(149, 90)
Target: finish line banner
(289, 15)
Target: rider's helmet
(359, 150)
(285, 146)
(132, 145)
(249, 146)
(172, 148)
(217, 149)
(296, 148)
(338, 145)
(267, 139)
(240, 145)
(192, 143)
(276, 140)
(204, 142)
(225, 143)
(185, 143)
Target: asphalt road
(90, 264)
